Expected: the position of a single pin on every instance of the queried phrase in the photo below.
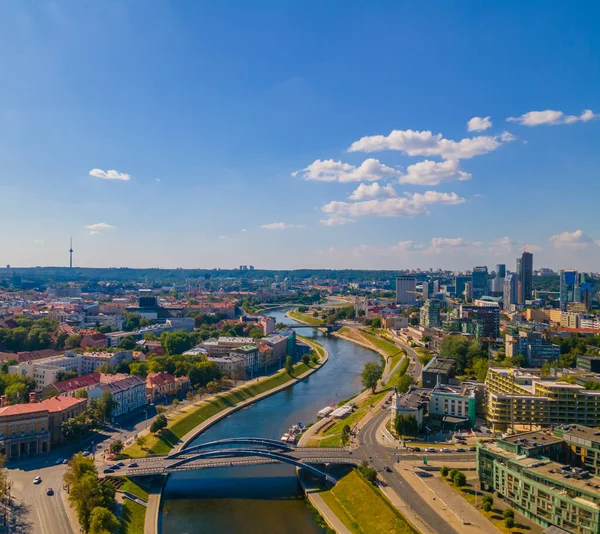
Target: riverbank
(194, 419)
(304, 318)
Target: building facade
(406, 287)
(430, 313)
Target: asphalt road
(374, 453)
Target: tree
(368, 472)
(289, 365)
(444, 471)
(66, 375)
(138, 369)
(480, 368)
(487, 507)
(16, 393)
(81, 394)
(509, 522)
(509, 512)
(459, 479)
(107, 404)
(73, 342)
(86, 494)
(158, 424)
(452, 473)
(406, 425)
(116, 446)
(345, 435)
(305, 359)
(372, 372)
(200, 374)
(103, 521)
(315, 358)
(213, 387)
(175, 403)
(404, 383)
(176, 342)
(488, 499)
(140, 441)
(127, 343)
(189, 396)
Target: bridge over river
(242, 451)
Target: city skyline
(293, 143)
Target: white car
(37, 480)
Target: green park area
(184, 421)
(133, 514)
(307, 318)
(363, 508)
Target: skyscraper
(426, 288)
(430, 313)
(511, 286)
(479, 281)
(568, 287)
(406, 290)
(498, 281)
(525, 272)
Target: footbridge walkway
(241, 451)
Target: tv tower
(71, 255)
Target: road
(372, 451)
(39, 513)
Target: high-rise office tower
(479, 282)
(568, 287)
(436, 286)
(406, 290)
(459, 285)
(425, 290)
(498, 282)
(525, 272)
(511, 290)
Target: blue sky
(261, 135)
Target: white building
(128, 392)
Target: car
(65, 461)
(115, 467)
(49, 491)
(37, 480)
(444, 449)
(472, 449)
(109, 470)
(133, 464)
(58, 462)
(416, 449)
(460, 449)
(387, 468)
(86, 453)
(120, 464)
(430, 449)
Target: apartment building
(128, 392)
(524, 397)
(161, 384)
(529, 472)
(532, 346)
(454, 405)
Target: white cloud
(280, 226)
(424, 143)
(433, 173)
(98, 228)
(336, 171)
(551, 116)
(408, 206)
(222, 237)
(157, 179)
(110, 175)
(336, 221)
(479, 124)
(571, 239)
(244, 230)
(366, 192)
(38, 241)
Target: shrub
(509, 522)
(444, 471)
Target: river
(263, 499)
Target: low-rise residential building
(165, 384)
(250, 355)
(232, 366)
(128, 392)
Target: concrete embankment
(152, 519)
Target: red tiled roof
(22, 409)
(79, 382)
(58, 404)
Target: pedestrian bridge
(242, 451)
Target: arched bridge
(241, 451)
(328, 327)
